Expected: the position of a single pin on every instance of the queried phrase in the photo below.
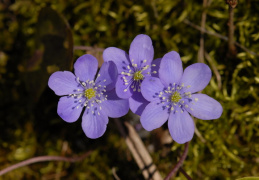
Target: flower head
(81, 91)
(133, 69)
(171, 98)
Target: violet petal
(197, 76)
(69, 109)
(120, 88)
(94, 125)
(86, 67)
(63, 83)
(155, 68)
(137, 103)
(151, 87)
(181, 127)
(154, 116)
(204, 107)
(108, 75)
(141, 49)
(114, 106)
(118, 56)
(171, 69)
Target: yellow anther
(138, 76)
(90, 93)
(176, 97)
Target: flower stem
(180, 162)
(43, 158)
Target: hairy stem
(231, 30)
(42, 159)
(180, 162)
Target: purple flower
(133, 69)
(81, 91)
(171, 97)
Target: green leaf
(54, 51)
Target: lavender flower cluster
(156, 90)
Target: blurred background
(39, 37)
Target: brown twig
(42, 159)
(186, 21)
(180, 162)
(139, 151)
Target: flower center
(138, 76)
(176, 97)
(89, 93)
